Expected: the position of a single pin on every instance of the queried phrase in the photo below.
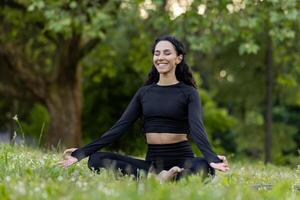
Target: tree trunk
(269, 103)
(64, 104)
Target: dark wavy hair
(183, 72)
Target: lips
(162, 64)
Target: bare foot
(165, 175)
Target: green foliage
(249, 48)
(226, 45)
(68, 16)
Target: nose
(160, 57)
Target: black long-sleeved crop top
(164, 109)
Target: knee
(202, 166)
(99, 160)
(94, 161)
(91, 161)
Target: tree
(242, 44)
(42, 44)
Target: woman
(170, 107)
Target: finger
(225, 169)
(70, 162)
(66, 164)
(67, 158)
(221, 157)
(218, 167)
(71, 150)
(66, 151)
(221, 169)
(225, 165)
(225, 160)
(215, 166)
(60, 162)
(64, 156)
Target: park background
(69, 69)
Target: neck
(167, 79)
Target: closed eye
(165, 52)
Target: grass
(27, 173)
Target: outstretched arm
(130, 115)
(198, 133)
(197, 129)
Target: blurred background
(68, 69)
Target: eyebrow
(163, 50)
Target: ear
(179, 59)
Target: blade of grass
(41, 134)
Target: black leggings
(159, 157)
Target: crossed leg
(125, 164)
(132, 166)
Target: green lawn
(27, 173)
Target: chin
(163, 71)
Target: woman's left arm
(198, 133)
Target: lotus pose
(170, 107)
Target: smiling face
(165, 57)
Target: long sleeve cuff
(78, 154)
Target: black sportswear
(166, 109)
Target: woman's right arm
(132, 112)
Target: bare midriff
(165, 138)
